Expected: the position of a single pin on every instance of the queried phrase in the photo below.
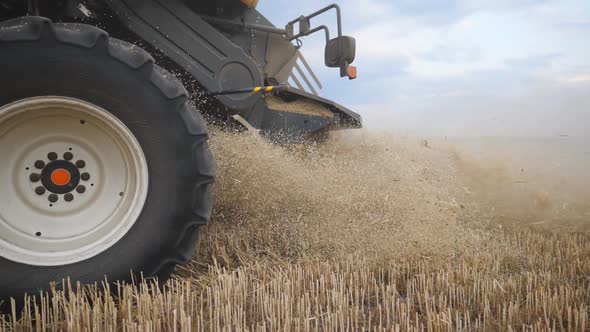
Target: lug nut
(52, 156)
(81, 189)
(34, 177)
(53, 198)
(69, 197)
(68, 156)
(85, 176)
(40, 191)
(80, 164)
(39, 164)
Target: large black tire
(40, 58)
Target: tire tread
(32, 28)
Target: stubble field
(365, 232)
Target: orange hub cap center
(60, 177)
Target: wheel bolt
(53, 198)
(69, 197)
(81, 189)
(40, 191)
(85, 176)
(34, 177)
(68, 156)
(39, 164)
(52, 156)
(80, 164)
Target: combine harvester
(105, 165)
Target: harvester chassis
(106, 167)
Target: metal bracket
(239, 119)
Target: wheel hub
(74, 180)
(60, 176)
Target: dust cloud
(540, 185)
(369, 194)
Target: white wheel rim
(37, 231)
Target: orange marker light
(60, 177)
(250, 3)
(352, 72)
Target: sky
(459, 68)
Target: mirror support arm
(317, 13)
(312, 31)
(290, 31)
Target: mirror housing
(340, 51)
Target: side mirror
(340, 51)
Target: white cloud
(582, 78)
